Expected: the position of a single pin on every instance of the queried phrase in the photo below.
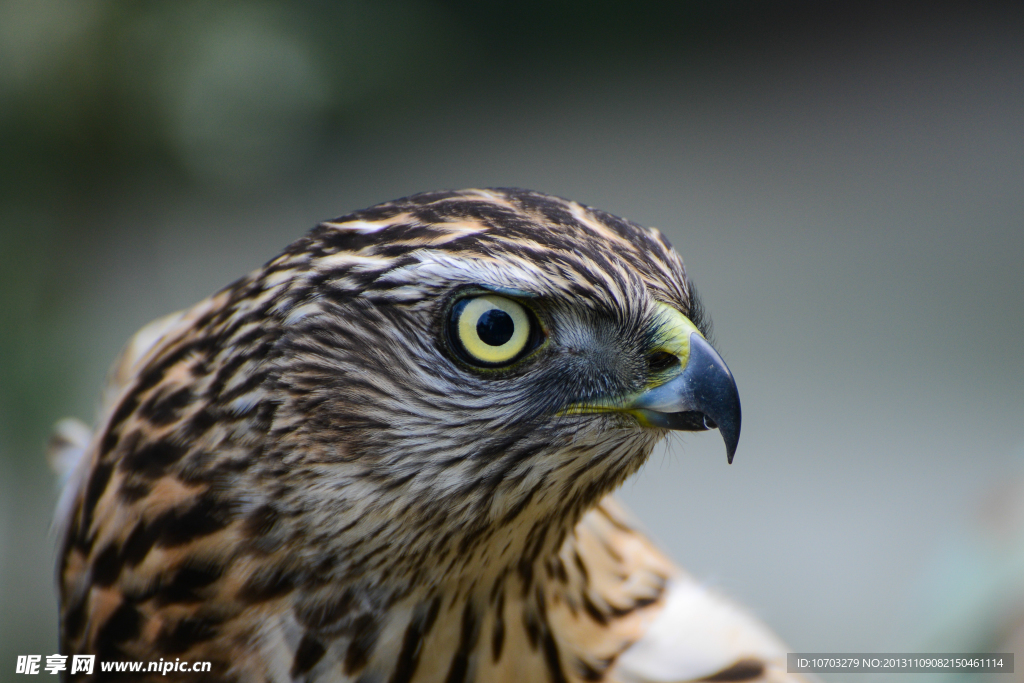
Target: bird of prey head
(403, 416)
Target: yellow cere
(674, 337)
(469, 334)
(675, 332)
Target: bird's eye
(490, 330)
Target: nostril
(660, 361)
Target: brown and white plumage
(307, 477)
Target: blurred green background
(844, 180)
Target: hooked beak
(698, 393)
(702, 396)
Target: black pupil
(495, 327)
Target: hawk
(387, 456)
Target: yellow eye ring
(490, 330)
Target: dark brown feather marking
(412, 642)
(138, 544)
(591, 609)
(127, 407)
(179, 637)
(184, 524)
(133, 489)
(498, 638)
(97, 485)
(365, 629)
(582, 567)
(560, 571)
(107, 566)
(74, 620)
(588, 672)
(614, 522)
(120, 626)
(183, 587)
(526, 575)
(532, 626)
(152, 460)
(200, 423)
(109, 443)
(551, 659)
(742, 670)
(265, 585)
(309, 652)
(164, 409)
(459, 669)
(260, 521)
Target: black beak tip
(715, 394)
(707, 393)
(729, 427)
